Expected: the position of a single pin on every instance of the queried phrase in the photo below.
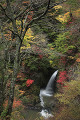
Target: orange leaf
(16, 103)
(78, 60)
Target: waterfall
(48, 92)
(49, 87)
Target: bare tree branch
(22, 12)
(34, 19)
(55, 4)
(26, 18)
(15, 34)
(5, 12)
(21, 27)
(43, 14)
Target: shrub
(70, 102)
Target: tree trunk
(1, 74)
(1, 95)
(15, 71)
(16, 60)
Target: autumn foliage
(16, 103)
(69, 102)
(62, 77)
(29, 82)
(63, 60)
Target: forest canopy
(37, 38)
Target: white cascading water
(48, 92)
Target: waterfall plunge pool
(47, 93)
(46, 98)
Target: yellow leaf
(10, 71)
(58, 7)
(63, 18)
(77, 13)
(51, 48)
(51, 61)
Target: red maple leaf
(62, 77)
(29, 82)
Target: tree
(69, 101)
(29, 12)
(3, 67)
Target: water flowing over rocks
(46, 95)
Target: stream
(46, 96)
(47, 102)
